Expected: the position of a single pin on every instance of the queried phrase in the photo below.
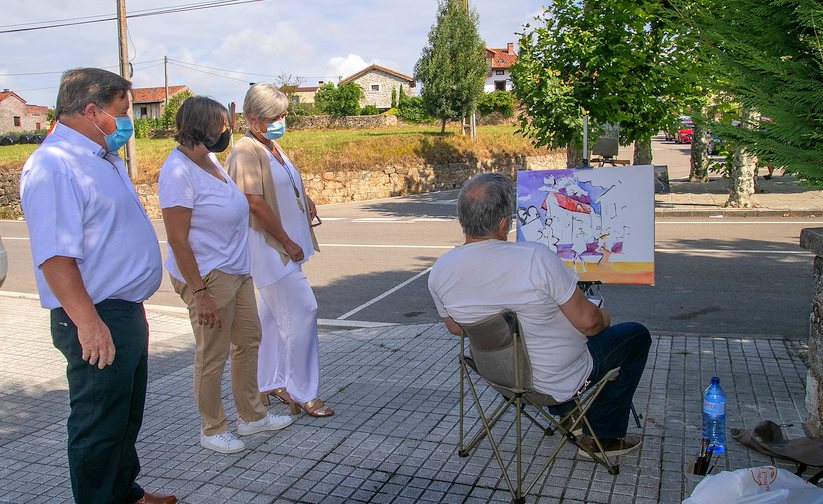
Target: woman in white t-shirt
(281, 239)
(206, 219)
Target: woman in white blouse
(206, 219)
(281, 239)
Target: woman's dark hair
(199, 120)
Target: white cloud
(345, 66)
(278, 46)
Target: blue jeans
(625, 346)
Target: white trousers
(289, 355)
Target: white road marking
(738, 222)
(733, 251)
(381, 296)
(372, 245)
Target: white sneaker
(267, 423)
(224, 442)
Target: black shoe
(611, 447)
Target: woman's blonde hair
(264, 102)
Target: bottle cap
(715, 380)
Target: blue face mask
(123, 129)
(275, 130)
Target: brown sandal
(317, 408)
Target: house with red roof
(378, 82)
(500, 61)
(150, 102)
(17, 116)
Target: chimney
(510, 48)
(5, 90)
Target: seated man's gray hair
(483, 201)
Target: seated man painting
(570, 341)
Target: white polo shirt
(219, 228)
(79, 202)
(478, 280)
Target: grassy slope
(331, 150)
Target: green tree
(499, 101)
(767, 58)
(340, 101)
(394, 97)
(618, 61)
(401, 96)
(170, 110)
(452, 67)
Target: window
(295, 100)
(37, 126)
(144, 111)
(498, 72)
(375, 87)
(499, 85)
(16, 120)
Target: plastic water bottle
(714, 415)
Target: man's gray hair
(483, 202)
(81, 86)
(264, 102)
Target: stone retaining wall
(349, 122)
(10, 192)
(338, 187)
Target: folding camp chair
(499, 357)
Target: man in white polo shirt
(96, 259)
(569, 340)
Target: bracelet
(201, 289)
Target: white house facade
(498, 75)
(378, 82)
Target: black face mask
(220, 144)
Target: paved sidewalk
(394, 436)
(782, 196)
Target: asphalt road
(713, 276)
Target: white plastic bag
(755, 485)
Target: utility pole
(472, 126)
(131, 146)
(166, 79)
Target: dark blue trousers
(106, 405)
(625, 346)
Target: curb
(739, 212)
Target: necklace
(291, 178)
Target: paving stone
(394, 437)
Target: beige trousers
(233, 296)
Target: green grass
(344, 150)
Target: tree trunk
(642, 152)
(574, 154)
(741, 176)
(442, 125)
(699, 171)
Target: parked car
(4, 262)
(671, 132)
(684, 133)
(713, 144)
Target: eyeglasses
(316, 221)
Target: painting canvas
(600, 221)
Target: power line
(144, 13)
(243, 73)
(61, 71)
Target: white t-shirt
(219, 215)
(267, 264)
(478, 280)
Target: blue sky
(314, 39)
